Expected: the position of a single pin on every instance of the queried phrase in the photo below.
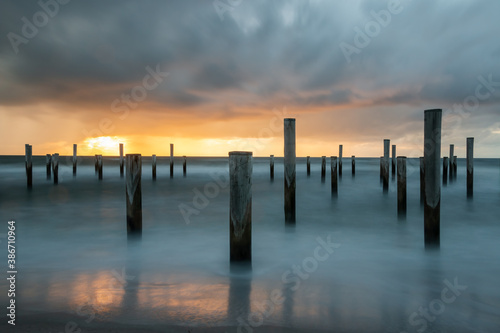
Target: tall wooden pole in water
(393, 160)
(445, 170)
(99, 166)
(154, 167)
(401, 185)
(74, 158)
(452, 149)
(353, 164)
(28, 150)
(323, 168)
(271, 166)
(341, 148)
(470, 167)
(387, 144)
(432, 158)
(422, 180)
(121, 160)
(55, 167)
(48, 165)
(333, 168)
(308, 162)
(240, 206)
(171, 160)
(289, 161)
(184, 166)
(133, 190)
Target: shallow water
(73, 255)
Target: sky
(217, 76)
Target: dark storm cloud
(261, 52)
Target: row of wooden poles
(240, 175)
(52, 164)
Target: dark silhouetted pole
(154, 167)
(289, 161)
(470, 167)
(48, 162)
(341, 148)
(387, 144)
(422, 180)
(271, 166)
(445, 170)
(353, 163)
(333, 167)
(308, 158)
(184, 166)
(452, 150)
(74, 158)
(240, 206)
(28, 150)
(99, 166)
(432, 159)
(55, 168)
(121, 160)
(401, 164)
(393, 160)
(171, 160)
(95, 163)
(133, 192)
(455, 166)
(323, 168)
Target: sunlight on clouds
(104, 144)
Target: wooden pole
(289, 161)
(171, 160)
(393, 160)
(353, 164)
(308, 165)
(470, 167)
(445, 170)
(121, 160)
(271, 167)
(28, 149)
(333, 168)
(401, 163)
(133, 190)
(432, 158)
(387, 144)
(341, 148)
(95, 162)
(455, 166)
(55, 167)
(99, 166)
(240, 206)
(184, 170)
(422, 181)
(48, 164)
(74, 158)
(452, 149)
(323, 168)
(154, 167)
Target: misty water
(73, 256)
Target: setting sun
(104, 144)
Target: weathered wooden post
(387, 143)
(452, 149)
(445, 170)
(432, 157)
(121, 160)
(289, 161)
(422, 181)
(341, 148)
(133, 192)
(74, 158)
(333, 167)
(184, 166)
(470, 167)
(240, 206)
(401, 185)
(393, 160)
(55, 167)
(323, 168)
(154, 167)
(95, 164)
(171, 160)
(271, 167)
(99, 166)
(48, 164)
(28, 152)
(353, 164)
(308, 162)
